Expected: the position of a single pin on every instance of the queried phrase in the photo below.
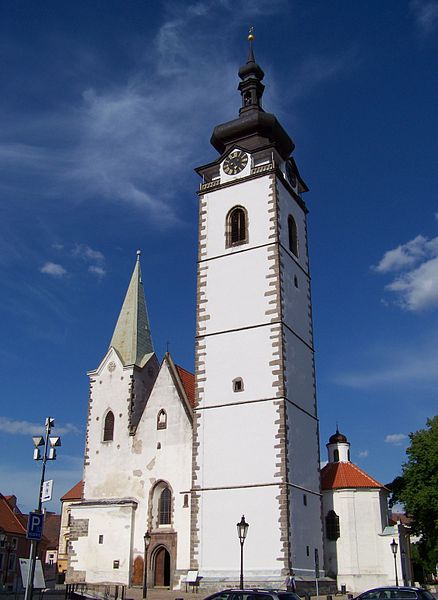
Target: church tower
(256, 448)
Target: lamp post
(147, 541)
(48, 447)
(394, 548)
(242, 530)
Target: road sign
(35, 526)
(46, 493)
(38, 578)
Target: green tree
(417, 490)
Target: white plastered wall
(130, 465)
(114, 523)
(361, 556)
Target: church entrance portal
(162, 568)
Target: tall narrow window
(108, 428)
(332, 529)
(336, 455)
(164, 507)
(293, 235)
(237, 226)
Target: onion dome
(254, 128)
(338, 438)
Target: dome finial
(138, 254)
(251, 38)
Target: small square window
(116, 564)
(100, 539)
(238, 384)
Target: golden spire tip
(251, 34)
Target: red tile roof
(9, 521)
(75, 493)
(52, 525)
(188, 381)
(346, 475)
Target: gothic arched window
(164, 506)
(108, 427)
(332, 529)
(162, 419)
(293, 235)
(237, 226)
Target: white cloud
(96, 270)
(14, 427)
(425, 14)
(412, 364)
(66, 471)
(53, 269)
(86, 253)
(396, 439)
(136, 140)
(416, 287)
(363, 454)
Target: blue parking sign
(35, 526)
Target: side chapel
(183, 456)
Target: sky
(106, 109)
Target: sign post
(317, 572)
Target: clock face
(291, 175)
(235, 162)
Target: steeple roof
(254, 128)
(132, 335)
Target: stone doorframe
(159, 539)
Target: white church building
(175, 459)
(183, 457)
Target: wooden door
(162, 568)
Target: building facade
(358, 530)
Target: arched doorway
(162, 568)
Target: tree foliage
(417, 490)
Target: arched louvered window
(108, 427)
(237, 226)
(293, 235)
(164, 507)
(162, 419)
(332, 529)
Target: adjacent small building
(358, 531)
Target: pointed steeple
(132, 335)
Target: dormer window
(237, 227)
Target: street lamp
(147, 541)
(394, 548)
(48, 447)
(242, 530)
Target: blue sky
(107, 107)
